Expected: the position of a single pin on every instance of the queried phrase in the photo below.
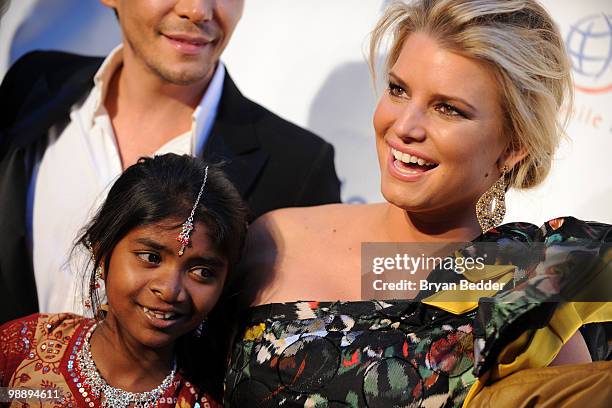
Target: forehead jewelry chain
(184, 236)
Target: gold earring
(94, 285)
(491, 206)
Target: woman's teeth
(408, 159)
(160, 315)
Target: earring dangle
(94, 285)
(491, 206)
(98, 276)
(197, 333)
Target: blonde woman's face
(438, 130)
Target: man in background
(3, 6)
(70, 124)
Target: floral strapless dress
(403, 353)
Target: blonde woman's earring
(491, 206)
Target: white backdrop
(304, 59)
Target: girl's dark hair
(164, 188)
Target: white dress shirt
(72, 177)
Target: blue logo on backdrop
(589, 43)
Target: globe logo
(589, 43)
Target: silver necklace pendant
(113, 397)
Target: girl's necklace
(111, 396)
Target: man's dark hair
(4, 5)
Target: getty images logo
(589, 43)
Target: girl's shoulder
(43, 338)
(42, 324)
(187, 394)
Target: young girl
(164, 246)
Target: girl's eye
(203, 273)
(395, 90)
(449, 110)
(149, 257)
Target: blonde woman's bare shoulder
(315, 219)
(290, 233)
(289, 250)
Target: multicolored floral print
(351, 354)
(399, 353)
(569, 261)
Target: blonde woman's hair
(520, 43)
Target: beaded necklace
(108, 395)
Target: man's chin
(185, 77)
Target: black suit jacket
(273, 163)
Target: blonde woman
(470, 109)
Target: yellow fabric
(536, 349)
(488, 272)
(451, 307)
(577, 385)
(462, 301)
(533, 349)
(514, 348)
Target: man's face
(180, 41)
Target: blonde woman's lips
(407, 166)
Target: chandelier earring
(491, 206)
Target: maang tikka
(184, 237)
(491, 206)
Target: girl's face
(156, 296)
